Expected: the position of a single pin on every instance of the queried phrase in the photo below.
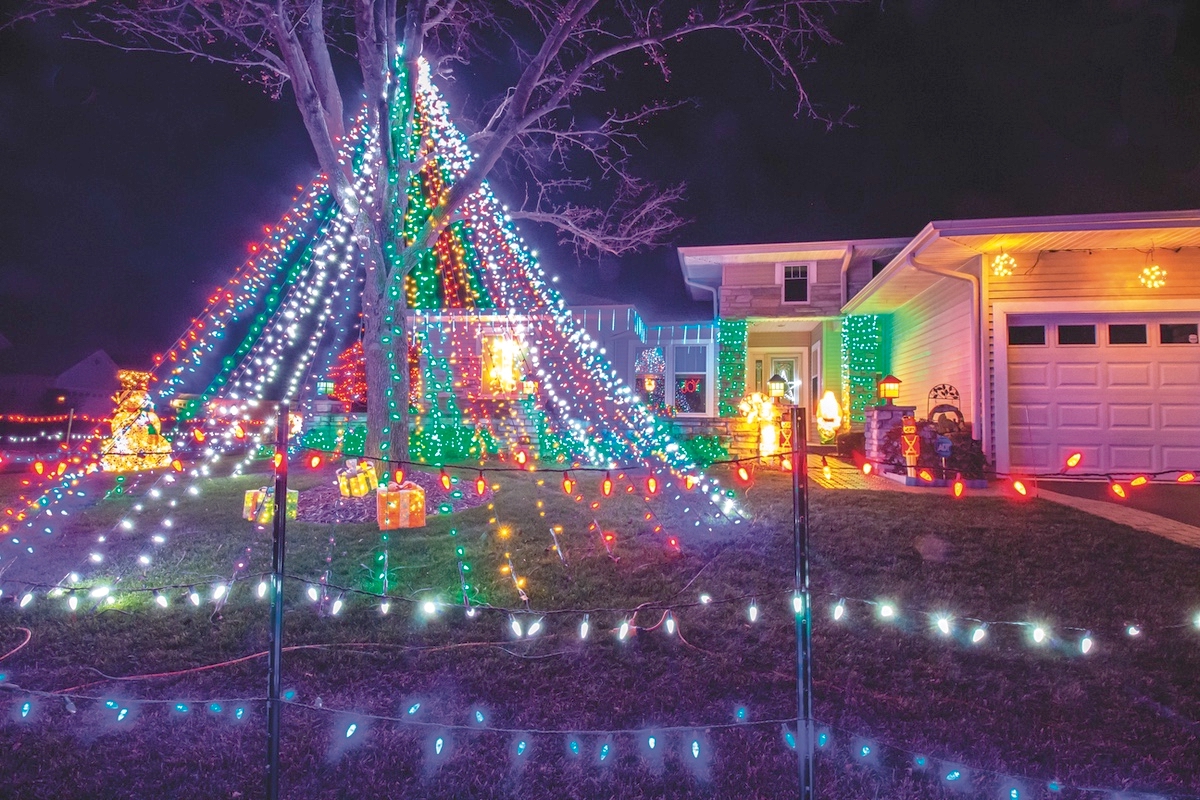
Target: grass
(1123, 717)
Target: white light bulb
(1085, 644)
(887, 611)
(219, 591)
(670, 624)
(515, 625)
(839, 610)
(1039, 634)
(624, 631)
(752, 612)
(584, 627)
(262, 589)
(978, 634)
(534, 628)
(943, 625)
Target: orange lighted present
(259, 505)
(400, 506)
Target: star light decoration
(1153, 277)
(1003, 265)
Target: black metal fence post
(275, 654)
(805, 734)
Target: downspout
(846, 275)
(976, 343)
(711, 290)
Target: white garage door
(1122, 389)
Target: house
(1062, 335)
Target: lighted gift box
(352, 484)
(357, 479)
(259, 505)
(366, 469)
(400, 506)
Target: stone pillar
(880, 420)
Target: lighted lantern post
(889, 389)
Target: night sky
(133, 183)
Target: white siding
(931, 344)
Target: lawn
(924, 704)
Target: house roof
(702, 266)
(955, 244)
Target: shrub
(966, 454)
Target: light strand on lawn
(691, 744)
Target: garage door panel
(1090, 454)
(1129, 375)
(1132, 407)
(1133, 416)
(1181, 456)
(1180, 375)
(1079, 415)
(1078, 374)
(1033, 375)
(1131, 458)
(1029, 456)
(1031, 416)
(1180, 417)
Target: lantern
(889, 389)
(777, 386)
(324, 387)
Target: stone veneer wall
(736, 434)
(880, 420)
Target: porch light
(889, 389)
(324, 387)
(777, 385)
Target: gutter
(977, 360)
(711, 290)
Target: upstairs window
(794, 278)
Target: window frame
(810, 274)
(1145, 334)
(1011, 343)
(709, 398)
(1058, 333)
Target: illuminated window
(650, 370)
(502, 363)
(691, 379)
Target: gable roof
(955, 244)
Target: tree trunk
(385, 351)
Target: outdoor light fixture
(889, 389)
(324, 387)
(1003, 264)
(650, 383)
(777, 385)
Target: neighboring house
(89, 387)
(1063, 334)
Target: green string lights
(862, 362)
(731, 365)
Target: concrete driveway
(1180, 502)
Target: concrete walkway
(1142, 520)
(843, 474)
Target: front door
(786, 369)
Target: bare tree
(564, 52)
